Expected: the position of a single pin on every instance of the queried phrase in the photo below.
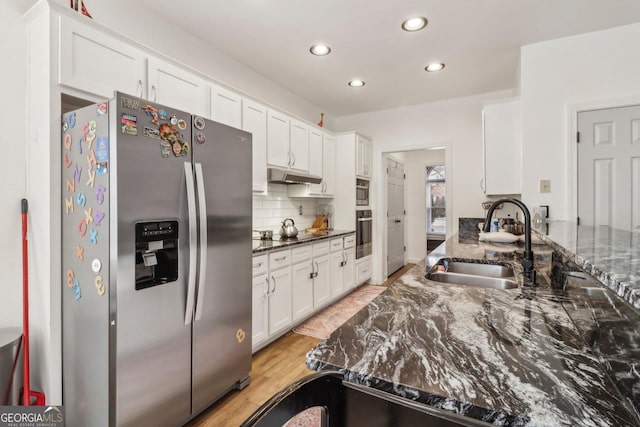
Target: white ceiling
(478, 40)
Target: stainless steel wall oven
(364, 229)
(362, 192)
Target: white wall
(12, 162)
(415, 163)
(590, 68)
(458, 121)
(454, 123)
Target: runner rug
(328, 320)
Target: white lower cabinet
(342, 266)
(291, 285)
(321, 282)
(271, 296)
(349, 270)
(280, 280)
(363, 270)
(260, 309)
(337, 273)
(280, 300)
(321, 274)
(302, 290)
(311, 279)
(302, 296)
(260, 300)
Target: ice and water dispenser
(156, 253)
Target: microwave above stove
(362, 192)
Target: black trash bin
(10, 366)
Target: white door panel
(395, 215)
(609, 167)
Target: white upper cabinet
(226, 106)
(315, 152)
(299, 146)
(97, 63)
(328, 153)
(277, 139)
(254, 120)
(364, 157)
(329, 164)
(502, 137)
(174, 86)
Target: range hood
(283, 176)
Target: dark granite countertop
(530, 356)
(302, 238)
(611, 255)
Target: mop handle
(26, 397)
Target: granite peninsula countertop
(302, 238)
(530, 356)
(611, 255)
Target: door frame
(378, 201)
(571, 120)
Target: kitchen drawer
(363, 272)
(350, 241)
(300, 253)
(321, 248)
(259, 264)
(336, 244)
(279, 259)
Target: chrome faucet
(527, 260)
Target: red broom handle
(26, 397)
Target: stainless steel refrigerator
(156, 253)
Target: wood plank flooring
(273, 368)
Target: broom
(27, 393)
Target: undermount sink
(472, 280)
(582, 283)
(479, 274)
(478, 269)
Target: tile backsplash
(269, 211)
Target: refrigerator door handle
(202, 209)
(193, 242)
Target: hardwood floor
(397, 274)
(272, 368)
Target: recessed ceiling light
(356, 83)
(320, 49)
(414, 24)
(436, 66)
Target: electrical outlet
(300, 209)
(545, 186)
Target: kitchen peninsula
(529, 356)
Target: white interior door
(609, 167)
(395, 215)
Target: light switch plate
(545, 186)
